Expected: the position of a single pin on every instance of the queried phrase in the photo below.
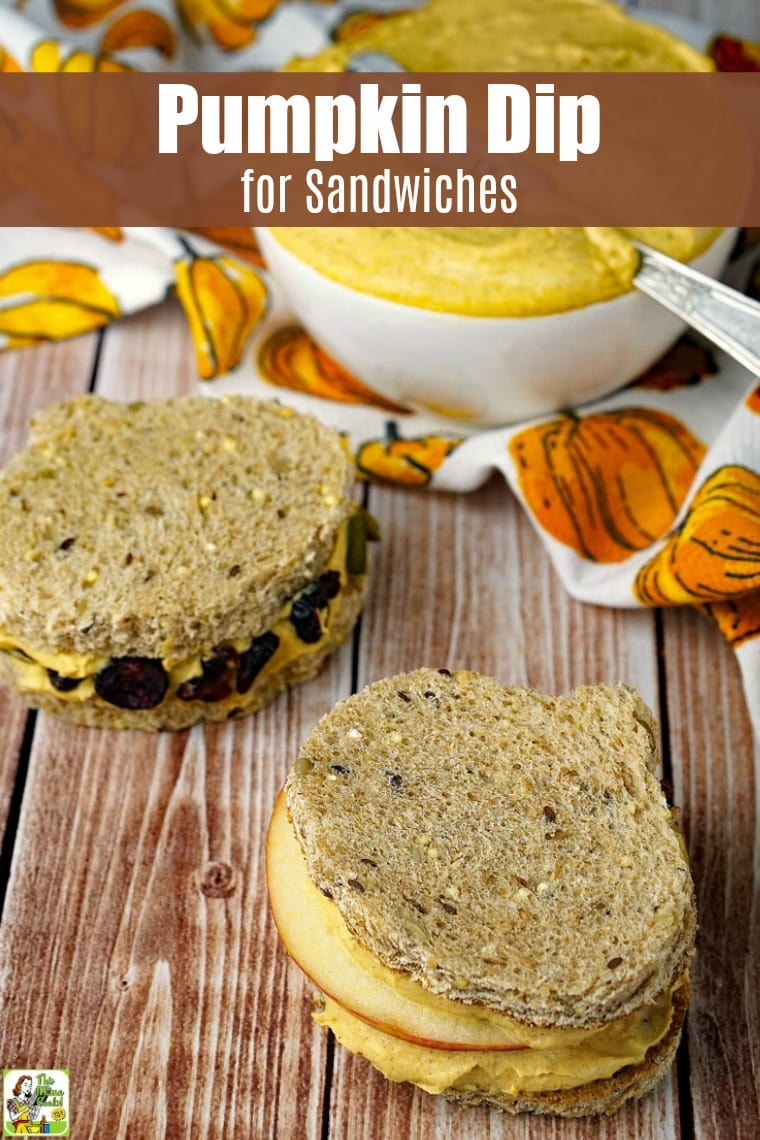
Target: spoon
(722, 314)
(366, 61)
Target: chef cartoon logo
(36, 1102)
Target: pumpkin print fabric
(610, 483)
(650, 497)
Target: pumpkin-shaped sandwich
(489, 890)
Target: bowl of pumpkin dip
(492, 324)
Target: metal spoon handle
(724, 316)
(370, 61)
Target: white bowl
(486, 370)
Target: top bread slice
(155, 528)
(500, 846)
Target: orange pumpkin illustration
(738, 619)
(409, 461)
(112, 233)
(230, 23)
(83, 13)
(224, 299)
(753, 401)
(238, 239)
(715, 553)
(687, 362)
(50, 55)
(137, 29)
(606, 484)
(49, 300)
(7, 62)
(731, 54)
(291, 359)
(357, 23)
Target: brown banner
(529, 149)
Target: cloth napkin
(650, 497)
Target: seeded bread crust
(157, 528)
(175, 714)
(599, 1098)
(499, 846)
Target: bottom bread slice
(598, 1098)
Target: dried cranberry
(327, 586)
(254, 658)
(303, 613)
(132, 682)
(63, 684)
(305, 620)
(213, 683)
(226, 653)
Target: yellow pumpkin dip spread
(486, 272)
(83, 677)
(499, 271)
(548, 1068)
(515, 35)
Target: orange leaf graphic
(715, 553)
(291, 359)
(607, 484)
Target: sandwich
(176, 560)
(489, 891)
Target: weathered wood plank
(156, 962)
(29, 379)
(139, 894)
(464, 582)
(149, 354)
(464, 579)
(716, 776)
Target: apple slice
(316, 937)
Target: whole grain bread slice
(154, 529)
(500, 846)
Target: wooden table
(137, 948)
